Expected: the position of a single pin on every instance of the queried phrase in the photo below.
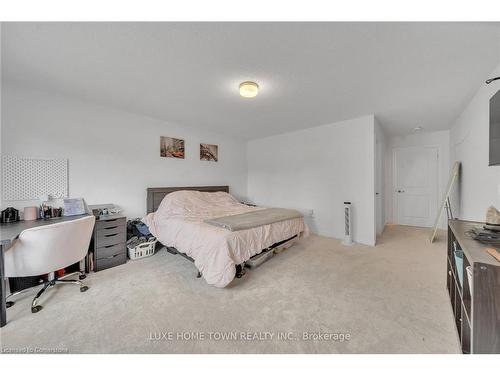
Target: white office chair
(46, 249)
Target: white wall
(439, 139)
(479, 184)
(113, 155)
(319, 168)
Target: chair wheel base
(35, 309)
(9, 304)
(82, 277)
(84, 289)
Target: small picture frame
(171, 147)
(74, 206)
(209, 152)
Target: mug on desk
(30, 213)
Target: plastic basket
(142, 250)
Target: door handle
(400, 191)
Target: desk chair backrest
(49, 248)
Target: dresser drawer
(111, 261)
(111, 230)
(110, 250)
(110, 223)
(113, 237)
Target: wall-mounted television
(495, 129)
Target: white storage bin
(142, 250)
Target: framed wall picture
(171, 147)
(209, 152)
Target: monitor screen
(495, 129)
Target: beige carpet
(387, 299)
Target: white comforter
(178, 223)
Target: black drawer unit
(108, 245)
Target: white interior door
(415, 185)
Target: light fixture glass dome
(249, 89)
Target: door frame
(395, 208)
(380, 210)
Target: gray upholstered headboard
(156, 195)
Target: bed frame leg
(240, 270)
(198, 275)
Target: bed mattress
(179, 222)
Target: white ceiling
(310, 74)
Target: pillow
(194, 203)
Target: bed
(178, 217)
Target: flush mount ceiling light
(249, 89)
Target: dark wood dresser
(476, 307)
(108, 244)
